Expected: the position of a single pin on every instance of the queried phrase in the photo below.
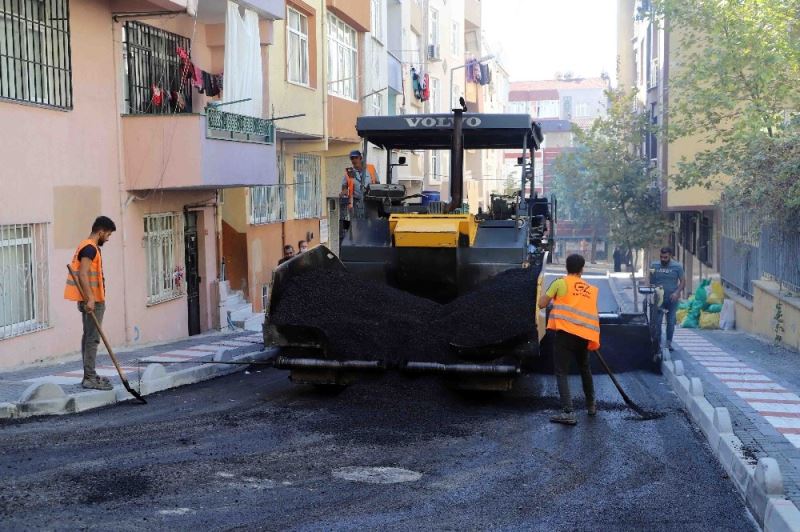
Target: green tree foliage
(608, 175)
(734, 78)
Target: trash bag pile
(707, 308)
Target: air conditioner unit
(433, 52)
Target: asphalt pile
(369, 320)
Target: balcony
(193, 151)
(395, 70)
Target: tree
(578, 193)
(734, 85)
(615, 176)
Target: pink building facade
(87, 134)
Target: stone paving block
(765, 484)
(78, 402)
(8, 410)
(42, 398)
(702, 413)
(781, 516)
(682, 388)
(695, 387)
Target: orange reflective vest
(576, 313)
(96, 281)
(351, 181)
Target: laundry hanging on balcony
(205, 82)
(419, 83)
(243, 67)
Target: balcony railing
(222, 125)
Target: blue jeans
(671, 309)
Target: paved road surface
(254, 451)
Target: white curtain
(243, 77)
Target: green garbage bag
(691, 322)
(700, 294)
(684, 304)
(714, 308)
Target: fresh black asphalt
(254, 451)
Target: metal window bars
(35, 53)
(267, 204)
(307, 186)
(153, 65)
(163, 239)
(24, 274)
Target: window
(416, 48)
(23, 279)
(436, 95)
(152, 62)
(546, 109)
(35, 58)
(342, 58)
(455, 39)
(582, 109)
(433, 28)
(377, 19)
(267, 204)
(376, 105)
(297, 46)
(163, 236)
(307, 186)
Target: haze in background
(534, 39)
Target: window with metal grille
(163, 239)
(35, 58)
(265, 298)
(155, 73)
(267, 204)
(307, 186)
(24, 277)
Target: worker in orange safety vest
(576, 324)
(355, 177)
(87, 264)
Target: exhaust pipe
(457, 162)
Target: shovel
(644, 414)
(122, 376)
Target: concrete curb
(760, 484)
(50, 399)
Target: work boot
(95, 382)
(565, 418)
(591, 409)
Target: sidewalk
(757, 382)
(56, 388)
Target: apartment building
(557, 105)
(645, 64)
(107, 121)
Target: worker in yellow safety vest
(87, 264)
(576, 324)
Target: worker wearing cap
(355, 179)
(575, 321)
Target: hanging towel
(243, 66)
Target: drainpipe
(457, 162)
(123, 201)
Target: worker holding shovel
(87, 264)
(574, 319)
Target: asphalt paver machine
(437, 250)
